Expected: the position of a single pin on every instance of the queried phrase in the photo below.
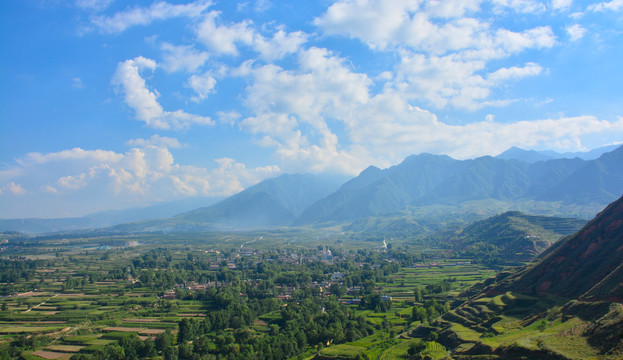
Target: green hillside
(515, 236)
(567, 305)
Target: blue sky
(106, 105)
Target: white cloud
(522, 6)
(536, 38)
(291, 108)
(451, 8)
(442, 52)
(295, 112)
(377, 23)
(613, 5)
(13, 188)
(561, 4)
(144, 101)
(96, 5)
(144, 16)
(222, 39)
(323, 84)
(228, 117)
(280, 45)
(75, 154)
(49, 189)
(258, 6)
(183, 57)
(530, 69)
(92, 180)
(401, 23)
(203, 85)
(441, 81)
(391, 128)
(73, 182)
(576, 32)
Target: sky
(110, 104)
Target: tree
(417, 294)
(163, 341)
(415, 347)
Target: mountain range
(532, 156)
(421, 183)
(427, 180)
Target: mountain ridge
(430, 179)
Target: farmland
(199, 296)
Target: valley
(314, 294)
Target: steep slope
(567, 305)
(578, 263)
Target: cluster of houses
(285, 292)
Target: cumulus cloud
(290, 110)
(531, 69)
(75, 154)
(521, 6)
(295, 112)
(146, 15)
(561, 4)
(576, 32)
(13, 188)
(442, 51)
(402, 23)
(145, 102)
(280, 45)
(147, 172)
(228, 117)
(183, 57)
(390, 127)
(73, 182)
(613, 5)
(222, 39)
(203, 85)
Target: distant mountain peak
(532, 156)
(529, 156)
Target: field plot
(52, 354)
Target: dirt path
(44, 301)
